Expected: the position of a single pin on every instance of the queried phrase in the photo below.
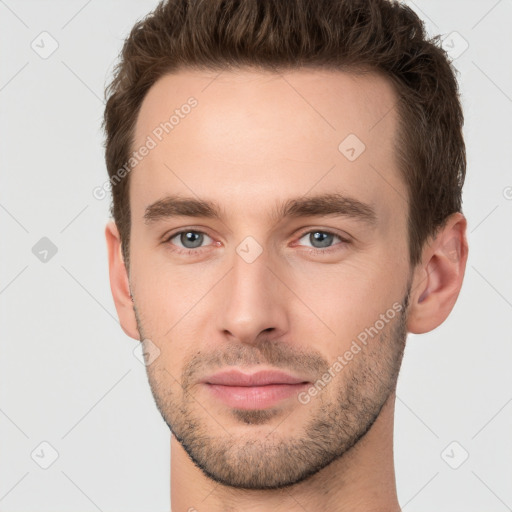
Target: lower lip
(255, 397)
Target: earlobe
(438, 279)
(119, 282)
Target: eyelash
(327, 250)
(312, 250)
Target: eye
(189, 239)
(320, 239)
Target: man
(286, 180)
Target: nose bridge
(251, 299)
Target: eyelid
(345, 240)
(172, 233)
(343, 237)
(181, 250)
(168, 237)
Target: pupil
(324, 239)
(191, 239)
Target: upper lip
(260, 378)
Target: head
(289, 197)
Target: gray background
(69, 376)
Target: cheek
(165, 292)
(342, 302)
(172, 313)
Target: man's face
(263, 286)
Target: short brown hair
(384, 36)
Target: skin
(255, 140)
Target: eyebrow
(311, 206)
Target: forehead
(230, 134)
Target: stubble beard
(339, 420)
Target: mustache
(276, 354)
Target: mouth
(258, 390)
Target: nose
(251, 301)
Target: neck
(362, 480)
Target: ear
(119, 283)
(438, 278)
